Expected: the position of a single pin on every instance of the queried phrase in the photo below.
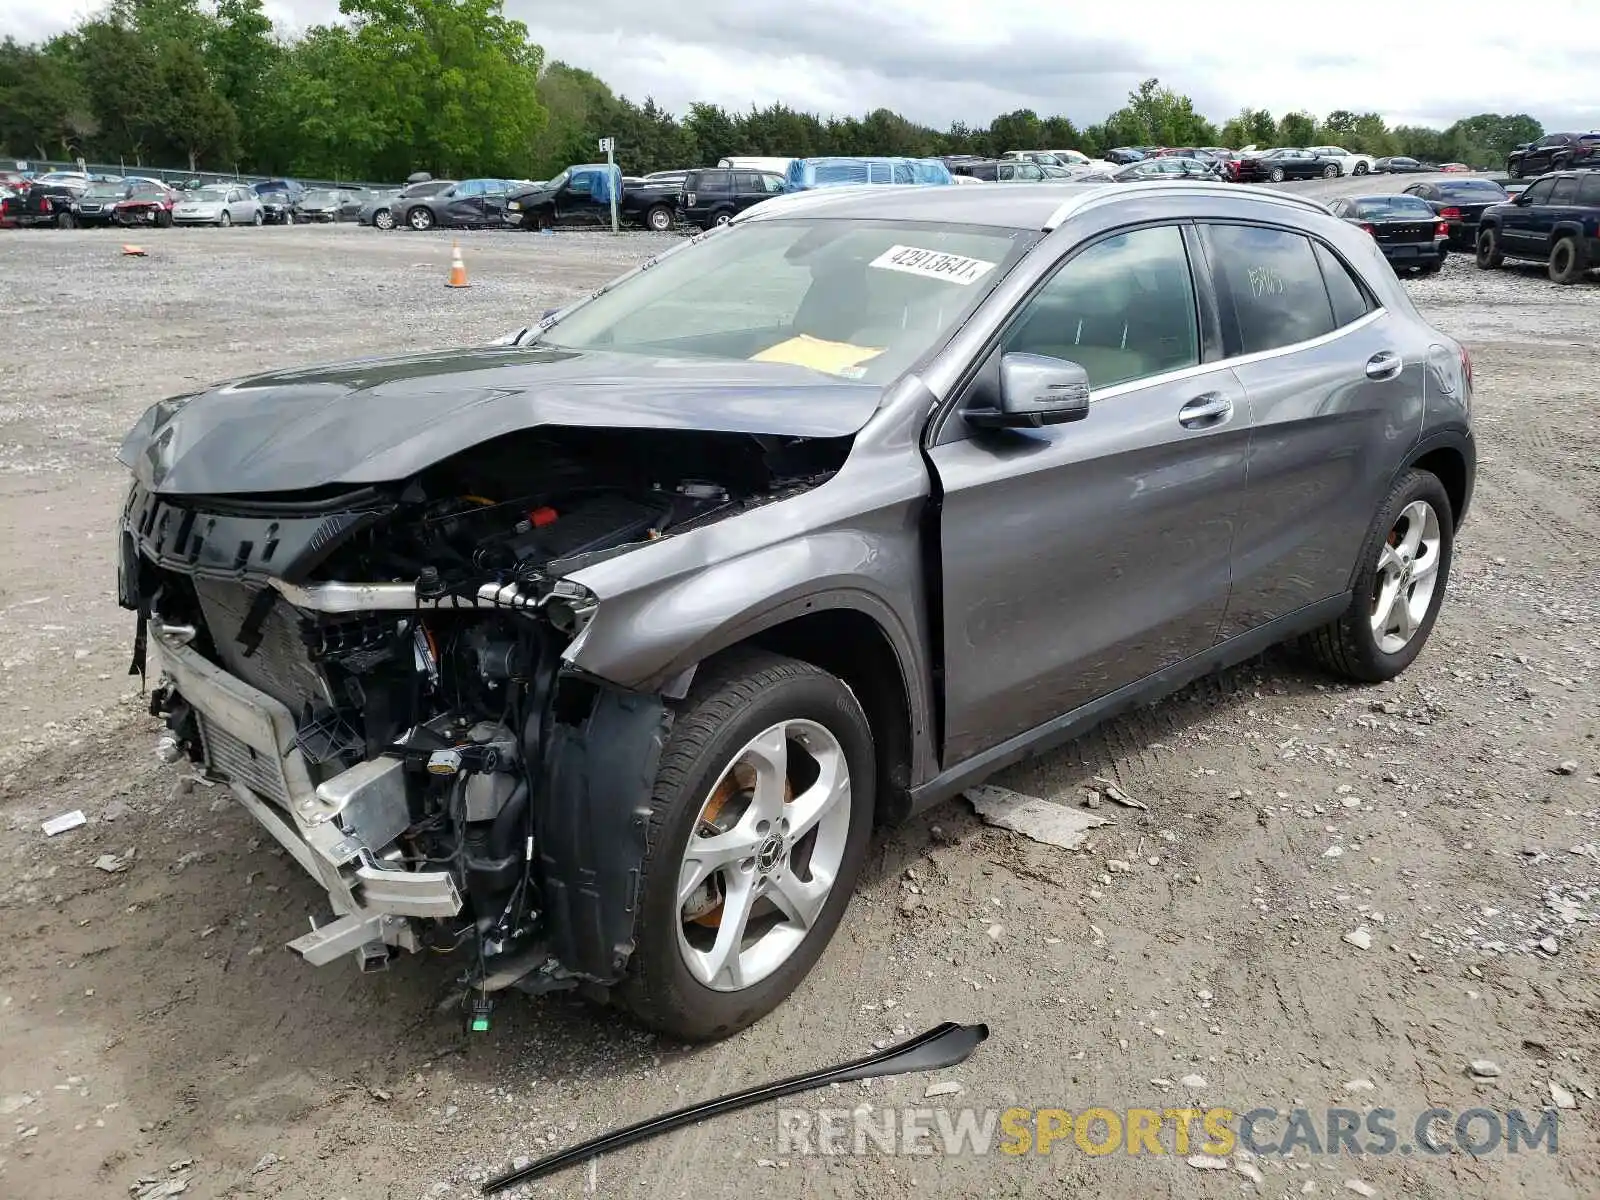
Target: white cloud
(939, 61)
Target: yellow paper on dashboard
(836, 358)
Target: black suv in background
(278, 198)
(1554, 152)
(716, 195)
(1555, 221)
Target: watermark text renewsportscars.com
(1264, 1132)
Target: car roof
(1016, 206)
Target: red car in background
(146, 204)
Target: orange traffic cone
(133, 251)
(458, 269)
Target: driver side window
(1123, 309)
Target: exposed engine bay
(378, 673)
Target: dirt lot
(151, 1017)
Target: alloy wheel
(764, 854)
(1408, 572)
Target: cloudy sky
(939, 60)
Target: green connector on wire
(481, 1008)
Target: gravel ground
(152, 1026)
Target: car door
(495, 194)
(1519, 226)
(463, 204)
(1080, 558)
(1335, 388)
(1538, 160)
(1562, 206)
(748, 189)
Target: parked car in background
(1043, 158)
(77, 180)
(383, 209)
(1407, 230)
(1004, 170)
(43, 204)
(776, 166)
(853, 170)
(1079, 163)
(1455, 168)
(1123, 155)
(1348, 162)
(221, 204)
(757, 465)
(715, 196)
(1554, 152)
(469, 204)
(581, 195)
(321, 206)
(277, 198)
(351, 201)
(148, 204)
(1556, 220)
(663, 177)
(96, 205)
(1460, 204)
(1155, 169)
(1274, 166)
(1398, 165)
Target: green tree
(192, 114)
(44, 108)
(242, 52)
(1297, 129)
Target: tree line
(455, 88)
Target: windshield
(1393, 206)
(857, 299)
(1472, 189)
(103, 191)
(148, 191)
(320, 198)
(209, 194)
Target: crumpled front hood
(383, 420)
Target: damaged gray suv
(595, 654)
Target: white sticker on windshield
(933, 264)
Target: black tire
(1361, 169)
(383, 219)
(735, 698)
(420, 219)
(721, 218)
(258, 218)
(659, 219)
(1568, 261)
(1433, 268)
(66, 220)
(1347, 647)
(225, 220)
(1276, 175)
(1489, 256)
(1514, 170)
(164, 219)
(1331, 171)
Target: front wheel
(1361, 169)
(383, 219)
(1489, 255)
(224, 220)
(257, 219)
(1330, 172)
(65, 221)
(1276, 175)
(1568, 261)
(760, 819)
(1515, 170)
(1399, 585)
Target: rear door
(1334, 386)
(1080, 558)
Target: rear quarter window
(1566, 192)
(1349, 296)
(1589, 192)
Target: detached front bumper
(342, 832)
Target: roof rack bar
(1108, 192)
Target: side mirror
(1035, 390)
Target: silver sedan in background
(220, 204)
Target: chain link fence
(174, 175)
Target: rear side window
(1589, 192)
(1566, 191)
(1350, 302)
(1275, 284)
(714, 181)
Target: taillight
(1450, 214)
(1443, 230)
(44, 204)
(1369, 229)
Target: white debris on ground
(1041, 820)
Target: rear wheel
(1433, 268)
(659, 219)
(722, 218)
(1568, 261)
(1330, 171)
(1489, 256)
(420, 219)
(760, 819)
(1276, 175)
(1399, 585)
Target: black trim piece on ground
(944, 1045)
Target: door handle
(1384, 365)
(1213, 408)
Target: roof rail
(1116, 191)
